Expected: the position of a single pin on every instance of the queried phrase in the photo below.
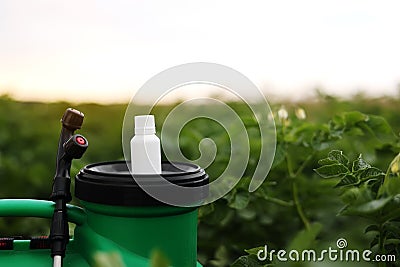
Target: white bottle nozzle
(145, 124)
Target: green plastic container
(118, 224)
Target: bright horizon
(103, 51)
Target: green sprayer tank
(118, 224)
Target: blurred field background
(28, 144)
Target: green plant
(241, 220)
(369, 193)
(300, 144)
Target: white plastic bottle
(145, 147)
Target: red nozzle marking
(80, 140)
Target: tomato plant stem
(299, 208)
(304, 164)
(278, 201)
(293, 175)
(381, 243)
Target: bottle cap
(144, 124)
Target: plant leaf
(280, 155)
(391, 185)
(360, 164)
(338, 156)
(366, 209)
(371, 228)
(205, 210)
(349, 179)
(369, 173)
(248, 261)
(333, 170)
(392, 241)
(350, 195)
(326, 161)
(353, 117)
(254, 251)
(381, 129)
(240, 200)
(305, 238)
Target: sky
(105, 50)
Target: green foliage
(312, 208)
(306, 237)
(370, 193)
(294, 207)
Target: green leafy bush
(294, 207)
(369, 193)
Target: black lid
(111, 183)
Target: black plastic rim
(110, 183)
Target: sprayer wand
(70, 147)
